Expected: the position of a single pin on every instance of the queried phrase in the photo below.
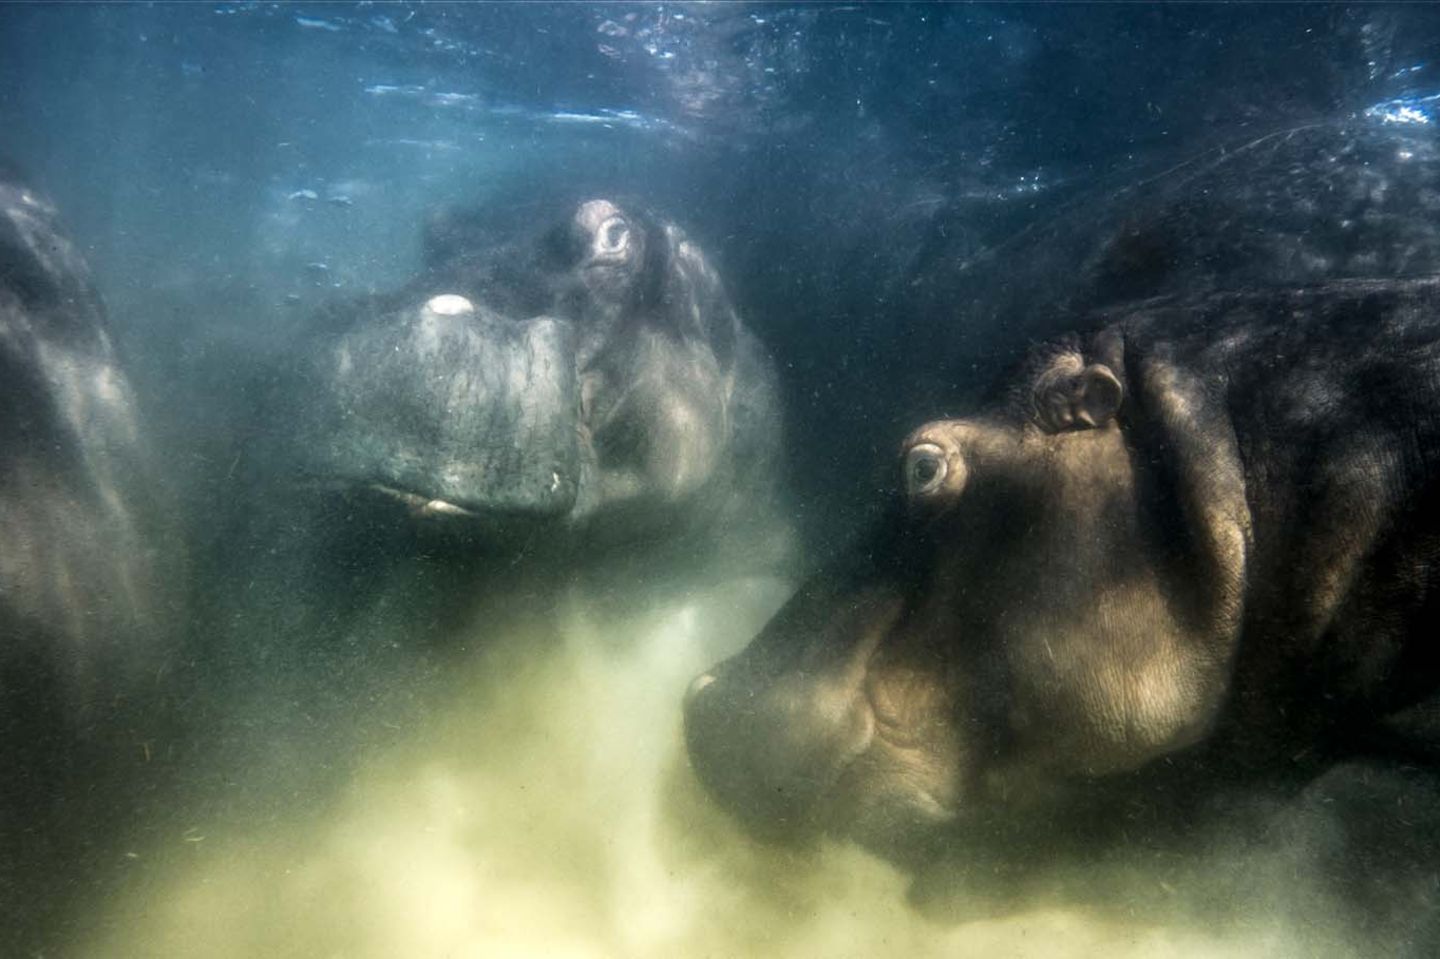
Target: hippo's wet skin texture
(1193, 546)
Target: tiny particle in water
(311, 23)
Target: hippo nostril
(697, 685)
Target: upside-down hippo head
(536, 372)
(1052, 599)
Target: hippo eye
(925, 469)
(613, 235)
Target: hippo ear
(1086, 399)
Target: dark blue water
(826, 155)
(228, 168)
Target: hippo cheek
(897, 794)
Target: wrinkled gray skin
(587, 379)
(1201, 536)
(88, 598)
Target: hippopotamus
(561, 412)
(1192, 542)
(577, 377)
(90, 595)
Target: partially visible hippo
(557, 406)
(586, 381)
(90, 573)
(1196, 543)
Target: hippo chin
(1195, 545)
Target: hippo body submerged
(1191, 547)
(91, 596)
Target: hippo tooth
(439, 507)
(449, 304)
(422, 505)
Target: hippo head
(1052, 599)
(486, 389)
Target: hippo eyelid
(926, 467)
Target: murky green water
(547, 810)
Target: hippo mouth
(439, 512)
(420, 506)
(417, 505)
